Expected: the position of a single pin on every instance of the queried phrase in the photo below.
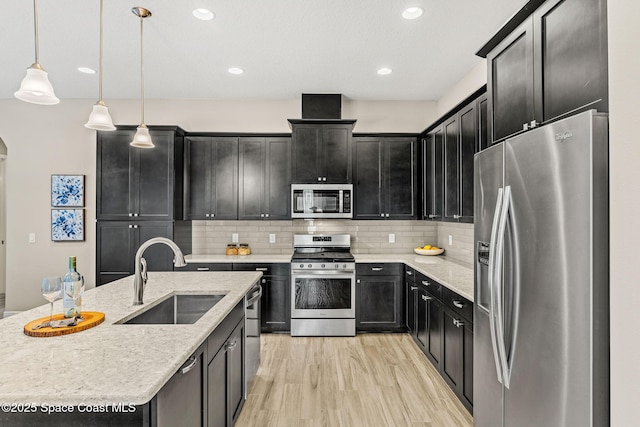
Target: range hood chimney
(321, 106)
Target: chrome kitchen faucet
(140, 278)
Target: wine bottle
(72, 290)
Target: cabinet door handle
(457, 303)
(382, 215)
(261, 215)
(319, 178)
(426, 283)
(413, 288)
(212, 215)
(264, 280)
(409, 273)
(324, 178)
(135, 214)
(386, 215)
(231, 345)
(206, 215)
(202, 269)
(533, 124)
(377, 268)
(266, 215)
(262, 268)
(458, 323)
(426, 298)
(133, 226)
(191, 365)
(456, 217)
(130, 214)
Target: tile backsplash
(212, 237)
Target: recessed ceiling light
(236, 70)
(384, 71)
(203, 14)
(86, 70)
(412, 13)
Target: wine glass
(74, 290)
(51, 291)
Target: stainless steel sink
(175, 310)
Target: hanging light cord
(35, 25)
(100, 77)
(142, 69)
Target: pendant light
(100, 119)
(35, 87)
(142, 139)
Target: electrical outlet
(32, 237)
(392, 238)
(234, 238)
(450, 240)
(272, 238)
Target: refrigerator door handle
(500, 338)
(492, 285)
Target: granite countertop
(453, 274)
(112, 363)
(239, 258)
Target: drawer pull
(377, 268)
(191, 365)
(458, 323)
(426, 298)
(426, 282)
(202, 269)
(409, 273)
(457, 303)
(413, 288)
(262, 268)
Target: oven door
(317, 295)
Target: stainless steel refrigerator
(541, 328)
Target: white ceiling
(286, 47)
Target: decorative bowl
(428, 251)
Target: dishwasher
(252, 335)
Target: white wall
(45, 140)
(473, 81)
(624, 91)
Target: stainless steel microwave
(321, 201)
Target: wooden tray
(91, 319)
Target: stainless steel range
(323, 277)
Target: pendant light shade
(100, 119)
(142, 138)
(35, 87)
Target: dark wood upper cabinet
(138, 183)
(451, 169)
(547, 61)
(264, 178)
(510, 83)
(570, 55)
(385, 175)
(212, 166)
(468, 144)
(484, 141)
(321, 151)
(432, 175)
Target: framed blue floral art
(67, 190)
(67, 225)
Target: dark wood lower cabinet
(439, 321)
(225, 381)
(380, 298)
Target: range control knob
(321, 265)
(309, 265)
(337, 265)
(301, 265)
(344, 266)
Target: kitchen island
(111, 363)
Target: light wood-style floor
(369, 380)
